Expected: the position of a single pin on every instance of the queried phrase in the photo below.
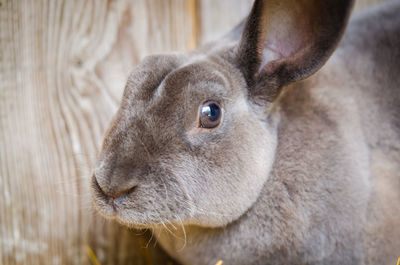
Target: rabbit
(257, 149)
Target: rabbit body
(325, 184)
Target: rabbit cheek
(227, 179)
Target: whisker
(184, 234)
(171, 224)
(158, 235)
(169, 230)
(152, 234)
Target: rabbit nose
(114, 186)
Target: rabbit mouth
(109, 207)
(123, 211)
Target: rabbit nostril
(112, 193)
(122, 193)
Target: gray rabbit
(234, 152)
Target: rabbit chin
(114, 210)
(136, 210)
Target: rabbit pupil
(210, 114)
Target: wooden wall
(63, 65)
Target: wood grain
(63, 67)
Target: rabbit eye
(210, 114)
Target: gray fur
(310, 178)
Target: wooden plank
(63, 69)
(219, 17)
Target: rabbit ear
(287, 40)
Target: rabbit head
(185, 145)
(194, 138)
